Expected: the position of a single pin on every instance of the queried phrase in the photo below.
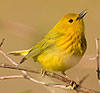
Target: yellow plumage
(62, 47)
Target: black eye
(71, 20)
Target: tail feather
(22, 60)
(17, 53)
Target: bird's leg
(43, 72)
(73, 84)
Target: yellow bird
(63, 46)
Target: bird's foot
(73, 85)
(43, 72)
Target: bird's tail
(17, 53)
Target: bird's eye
(71, 20)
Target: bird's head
(72, 22)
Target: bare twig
(2, 42)
(92, 59)
(12, 77)
(97, 58)
(50, 74)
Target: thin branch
(22, 77)
(97, 58)
(10, 60)
(92, 59)
(2, 42)
(11, 77)
(50, 74)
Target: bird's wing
(48, 41)
(38, 49)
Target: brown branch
(97, 58)
(2, 42)
(50, 74)
(11, 77)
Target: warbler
(63, 46)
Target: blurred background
(25, 22)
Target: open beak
(82, 14)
